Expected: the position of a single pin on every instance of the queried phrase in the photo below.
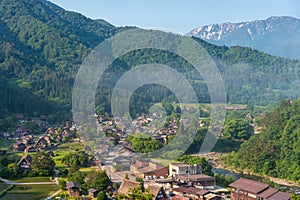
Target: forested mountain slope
(276, 150)
(42, 47)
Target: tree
(126, 176)
(11, 171)
(138, 194)
(62, 184)
(138, 179)
(237, 129)
(79, 158)
(76, 176)
(191, 160)
(102, 196)
(275, 151)
(97, 179)
(43, 164)
(143, 143)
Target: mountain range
(278, 36)
(42, 46)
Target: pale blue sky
(180, 15)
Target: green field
(4, 188)
(6, 144)
(30, 192)
(62, 150)
(32, 179)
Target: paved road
(114, 176)
(29, 183)
(117, 176)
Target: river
(289, 189)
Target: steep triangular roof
(27, 158)
(154, 190)
(126, 185)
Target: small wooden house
(73, 189)
(93, 192)
(25, 162)
(157, 192)
(126, 185)
(94, 161)
(43, 142)
(19, 146)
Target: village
(129, 174)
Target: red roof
(260, 189)
(191, 190)
(178, 197)
(268, 192)
(249, 185)
(280, 196)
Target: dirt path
(54, 194)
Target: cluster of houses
(142, 124)
(26, 142)
(74, 190)
(245, 189)
(26, 161)
(242, 189)
(180, 181)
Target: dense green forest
(42, 47)
(276, 150)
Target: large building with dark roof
(197, 180)
(146, 168)
(245, 189)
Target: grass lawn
(4, 188)
(163, 162)
(6, 144)
(70, 146)
(58, 156)
(62, 150)
(32, 179)
(87, 169)
(30, 192)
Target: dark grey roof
(72, 184)
(93, 190)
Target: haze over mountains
(276, 35)
(42, 46)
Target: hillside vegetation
(276, 150)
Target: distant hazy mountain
(276, 35)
